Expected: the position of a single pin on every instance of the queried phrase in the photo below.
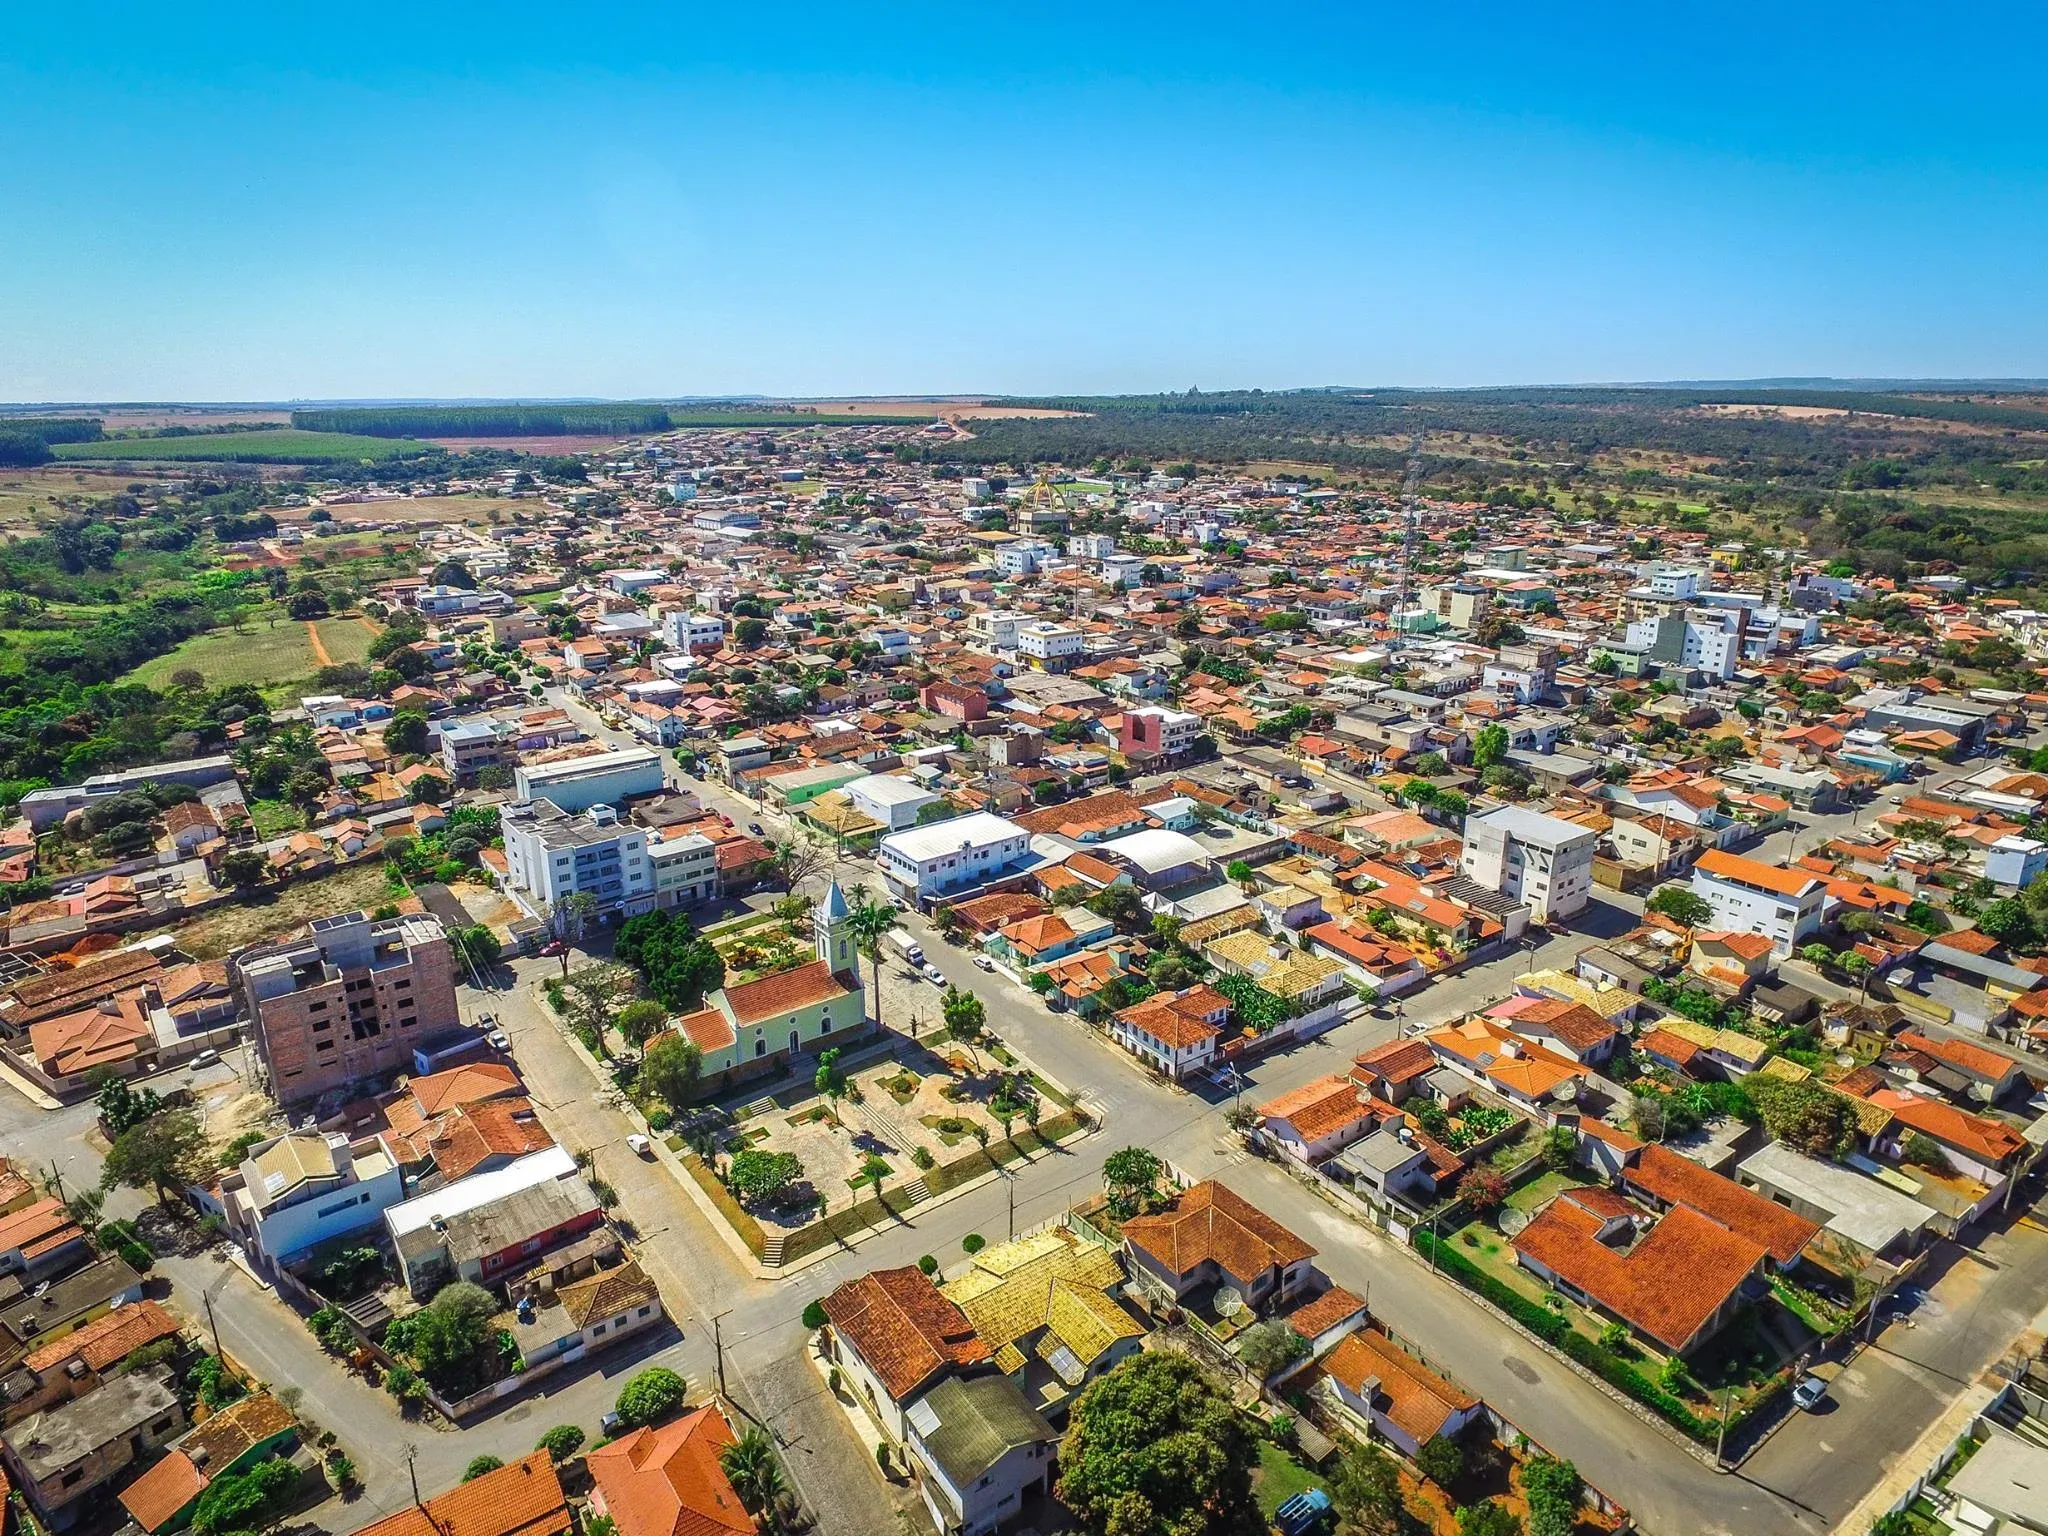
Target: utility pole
(1721, 1436)
(57, 1179)
(1010, 1189)
(718, 1344)
(412, 1453)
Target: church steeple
(832, 930)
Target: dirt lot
(23, 489)
(272, 914)
(416, 509)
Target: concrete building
(1526, 856)
(687, 630)
(983, 1448)
(1752, 897)
(470, 745)
(888, 800)
(551, 856)
(2013, 862)
(685, 870)
(1023, 557)
(1153, 732)
(968, 851)
(61, 1456)
(1709, 642)
(578, 783)
(349, 1001)
(475, 1228)
(294, 1192)
(1048, 646)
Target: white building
(892, 801)
(923, 862)
(629, 582)
(983, 1448)
(1091, 546)
(1710, 643)
(1124, 570)
(1023, 557)
(1047, 645)
(974, 488)
(578, 783)
(685, 870)
(994, 630)
(690, 631)
(1532, 858)
(294, 1192)
(551, 855)
(2013, 862)
(1752, 897)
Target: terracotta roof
(522, 1498)
(108, 1339)
(784, 992)
(1417, 1400)
(607, 1293)
(1320, 1108)
(469, 1083)
(899, 1323)
(1397, 1061)
(1574, 1023)
(475, 1133)
(1749, 946)
(1210, 1223)
(1325, 1311)
(156, 1496)
(1767, 877)
(1668, 1285)
(1676, 1180)
(1977, 1060)
(38, 1227)
(666, 1481)
(110, 1032)
(1989, 1140)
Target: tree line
(554, 420)
(26, 440)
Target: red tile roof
(1675, 1180)
(784, 992)
(668, 1481)
(907, 1332)
(523, 1498)
(1320, 1108)
(1417, 1400)
(1210, 1223)
(105, 1340)
(1987, 1140)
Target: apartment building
(689, 631)
(348, 1002)
(470, 745)
(1048, 646)
(551, 855)
(947, 856)
(1751, 897)
(1532, 858)
(685, 870)
(1153, 731)
(1704, 640)
(577, 783)
(994, 630)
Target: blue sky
(229, 202)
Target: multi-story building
(1706, 640)
(1752, 897)
(347, 1002)
(994, 630)
(690, 631)
(968, 851)
(685, 870)
(297, 1191)
(577, 783)
(1091, 546)
(1540, 860)
(1154, 731)
(1048, 646)
(551, 855)
(1458, 604)
(470, 745)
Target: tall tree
(1156, 1446)
(164, 1153)
(871, 921)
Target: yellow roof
(1609, 1002)
(1297, 974)
(1052, 1286)
(1247, 948)
(289, 1162)
(1790, 1071)
(1707, 1038)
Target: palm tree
(870, 921)
(750, 1466)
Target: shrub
(922, 1156)
(1441, 1460)
(973, 1243)
(561, 1442)
(659, 1120)
(479, 1465)
(137, 1257)
(814, 1315)
(651, 1396)
(928, 1265)
(1270, 1346)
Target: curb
(27, 1089)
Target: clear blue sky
(225, 202)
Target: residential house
(231, 1440)
(1213, 1236)
(294, 1192)
(983, 1449)
(1321, 1118)
(591, 1313)
(522, 1498)
(81, 1360)
(897, 1335)
(1532, 1076)
(1405, 1403)
(1733, 961)
(1748, 896)
(61, 1456)
(1176, 1033)
(666, 1480)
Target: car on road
(757, 829)
(204, 1059)
(610, 1425)
(555, 948)
(934, 975)
(640, 1146)
(983, 963)
(501, 1042)
(1809, 1393)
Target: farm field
(266, 655)
(414, 509)
(24, 489)
(283, 445)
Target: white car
(983, 963)
(639, 1146)
(934, 975)
(501, 1042)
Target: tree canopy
(678, 964)
(1155, 1446)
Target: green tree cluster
(678, 964)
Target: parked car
(934, 975)
(556, 947)
(501, 1042)
(1809, 1393)
(610, 1425)
(983, 963)
(757, 829)
(640, 1146)
(205, 1058)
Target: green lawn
(1280, 1477)
(266, 654)
(1538, 1191)
(276, 818)
(280, 445)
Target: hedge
(748, 1228)
(1560, 1335)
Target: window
(646, 1311)
(598, 1331)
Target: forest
(28, 440)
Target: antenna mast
(1411, 535)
